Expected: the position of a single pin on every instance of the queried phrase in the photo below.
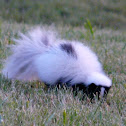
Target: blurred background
(101, 13)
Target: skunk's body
(40, 55)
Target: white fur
(102, 91)
(25, 51)
(39, 55)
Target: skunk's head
(96, 84)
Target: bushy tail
(20, 65)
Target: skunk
(41, 55)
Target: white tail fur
(20, 64)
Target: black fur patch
(90, 90)
(69, 49)
(63, 81)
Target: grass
(97, 23)
(31, 104)
(101, 13)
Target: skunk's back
(67, 61)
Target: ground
(31, 104)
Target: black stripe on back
(69, 49)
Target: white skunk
(40, 55)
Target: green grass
(101, 13)
(31, 104)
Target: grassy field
(102, 13)
(31, 104)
